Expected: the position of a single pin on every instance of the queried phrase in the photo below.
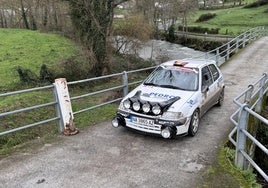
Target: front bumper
(151, 125)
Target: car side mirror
(205, 89)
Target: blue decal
(191, 102)
(220, 79)
(160, 95)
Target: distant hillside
(234, 20)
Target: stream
(161, 51)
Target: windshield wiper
(171, 86)
(150, 84)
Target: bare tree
(130, 33)
(23, 14)
(92, 20)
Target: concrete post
(65, 106)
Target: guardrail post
(228, 51)
(237, 45)
(58, 110)
(244, 40)
(217, 56)
(262, 85)
(125, 83)
(248, 94)
(241, 137)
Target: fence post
(217, 56)
(228, 51)
(65, 106)
(262, 84)
(237, 45)
(241, 137)
(244, 40)
(249, 94)
(125, 83)
(58, 110)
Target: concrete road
(101, 156)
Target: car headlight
(136, 106)
(156, 109)
(172, 115)
(146, 107)
(127, 104)
(178, 116)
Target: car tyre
(194, 123)
(221, 98)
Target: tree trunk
(1, 19)
(93, 20)
(24, 17)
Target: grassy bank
(29, 50)
(234, 20)
(224, 174)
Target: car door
(208, 89)
(218, 87)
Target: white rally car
(172, 98)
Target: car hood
(160, 94)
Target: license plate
(141, 121)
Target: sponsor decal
(161, 95)
(191, 101)
(220, 79)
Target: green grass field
(29, 49)
(234, 20)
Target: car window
(206, 77)
(179, 78)
(214, 71)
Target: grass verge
(225, 175)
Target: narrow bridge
(101, 156)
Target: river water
(161, 51)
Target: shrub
(257, 4)
(74, 69)
(26, 75)
(202, 30)
(46, 75)
(171, 33)
(205, 17)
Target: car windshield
(177, 78)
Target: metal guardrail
(220, 55)
(224, 52)
(124, 86)
(249, 103)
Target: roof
(191, 63)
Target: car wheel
(221, 98)
(194, 124)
